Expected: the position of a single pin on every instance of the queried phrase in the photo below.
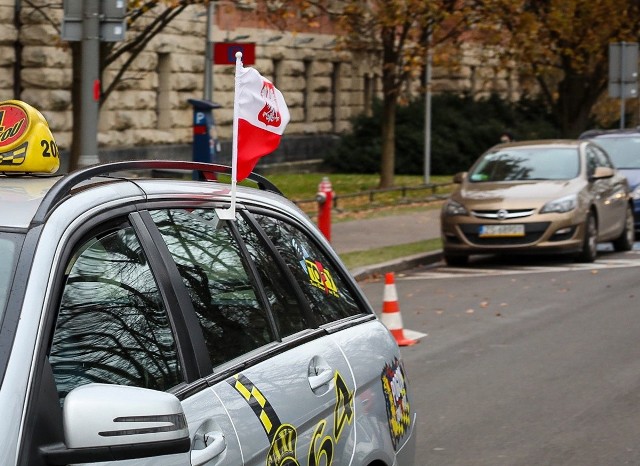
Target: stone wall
(323, 88)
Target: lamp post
(427, 112)
(208, 55)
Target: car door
(610, 194)
(115, 323)
(285, 384)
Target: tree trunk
(387, 162)
(577, 96)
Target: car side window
(592, 161)
(112, 325)
(284, 303)
(326, 291)
(210, 263)
(602, 158)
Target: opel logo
(502, 214)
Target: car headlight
(636, 192)
(564, 204)
(452, 208)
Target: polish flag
(262, 116)
(259, 118)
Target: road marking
(632, 259)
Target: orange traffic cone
(391, 317)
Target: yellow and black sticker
(397, 401)
(258, 403)
(282, 437)
(320, 277)
(15, 156)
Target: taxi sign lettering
(13, 124)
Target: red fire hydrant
(324, 197)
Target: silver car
(139, 328)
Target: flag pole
(230, 213)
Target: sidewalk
(389, 230)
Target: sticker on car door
(397, 401)
(283, 437)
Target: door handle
(324, 377)
(215, 444)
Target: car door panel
(382, 390)
(277, 414)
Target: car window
(9, 247)
(112, 325)
(326, 291)
(511, 164)
(624, 151)
(601, 157)
(223, 293)
(284, 303)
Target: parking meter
(205, 137)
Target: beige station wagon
(548, 196)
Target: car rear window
(326, 291)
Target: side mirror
(459, 177)
(603, 172)
(105, 422)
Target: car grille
(532, 233)
(502, 214)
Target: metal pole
(622, 87)
(427, 113)
(208, 54)
(90, 83)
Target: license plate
(487, 231)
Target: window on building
(308, 90)
(277, 72)
(367, 94)
(336, 91)
(163, 102)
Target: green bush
(462, 129)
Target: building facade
(324, 88)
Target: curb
(396, 265)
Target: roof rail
(64, 186)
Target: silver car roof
(22, 196)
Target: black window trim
(254, 277)
(187, 329)
(307, 314)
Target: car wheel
(456, 260)
(590, 242)
(625, 241)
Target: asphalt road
(526, 362)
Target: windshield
(9, 247)
(527, 163)
(624, 152)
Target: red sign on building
(224, 53)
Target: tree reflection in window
(210, 264)
(325, 290)
(112, 325)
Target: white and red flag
(260, 116)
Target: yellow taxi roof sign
(26, 142)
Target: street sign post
(623, 73)
(90, 22)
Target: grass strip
(387, 253)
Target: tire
(590, 242)
(625, 241)
(456, 260)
